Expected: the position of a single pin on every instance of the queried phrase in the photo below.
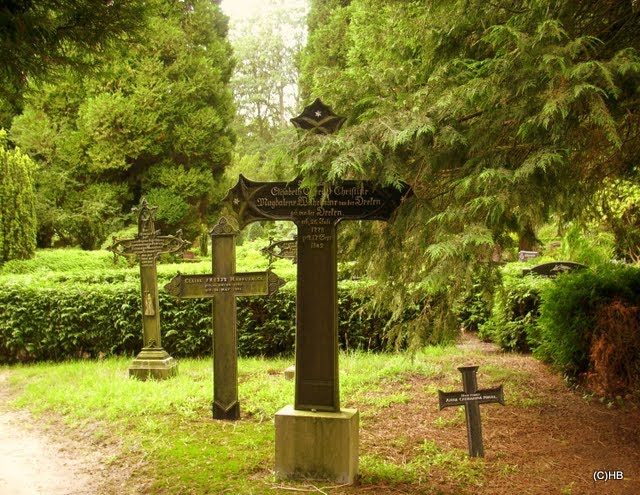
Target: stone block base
(155, 363)
(317, 445)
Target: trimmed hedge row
(76, 320)
(585, 323)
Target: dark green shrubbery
(590, 317)
(515, 310)
(78, 318)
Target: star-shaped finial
(318, 118)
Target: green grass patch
(165, 427)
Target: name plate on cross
(471, 398)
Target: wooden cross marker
(471, 398)
(153, 360)
(223, 286)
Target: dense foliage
(591, 315)
(66, 304)
(514, 310)
(496, 113)
(39, 37)
(154, 120)
(17, 203)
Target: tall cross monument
(316, 360)
(152, 361)
(223, 285)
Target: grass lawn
(163, 441)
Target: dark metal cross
(223, 286)
(317, 218)
(471, 398)
(286, 249)
(153, 360)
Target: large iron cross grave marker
(224, 285)
(316, 385)
(153, 360)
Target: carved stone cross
(223, 285)
(153, 360)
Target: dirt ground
(549, 440)
(560, 443)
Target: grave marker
(316, 417)
(286, 249)
(223, 285)
(316, 308)
(553, 268)
(153, 360)
(471, 398)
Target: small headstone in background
(553, 268)
(527, 255)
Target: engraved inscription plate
(239, 284)
(348, 200)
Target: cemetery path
(38, 462)
(547, 439)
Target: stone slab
(290, 372)
(317, 445)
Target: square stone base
(317, 445)
(155, 363)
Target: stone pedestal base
(317, 445)
(153, 362)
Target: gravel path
(32, 463)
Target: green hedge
(515, 310)
(570, 317)
(76, 318)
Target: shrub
(91, 315)
(615, 349)
(587, 315)
(515, 310)
(17, 204)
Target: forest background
(515, 123)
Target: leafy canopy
(496, 113)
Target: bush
(587, 317)
(96, 314)
(515, 310)
(17, 204)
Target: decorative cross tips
(223, 285)
(153, 360)
(471, 398)
(318, 118)
(287, 249)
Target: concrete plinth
(153, 362)
(317, 445)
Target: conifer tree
(154, 120)
(496, 113)
(17, 207)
